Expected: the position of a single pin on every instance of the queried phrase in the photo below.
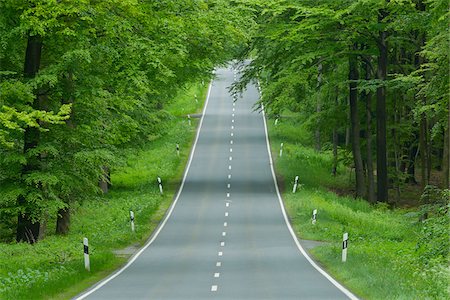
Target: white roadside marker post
(87, 263)
(160, 185)
(314, 217)
(132, 220)
(189, 120)
(281, 149)
(196, 100)
(344, 247)
(178, 150)
(294, 189)
(276, 121)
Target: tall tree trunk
(446, 155)
(425, 162)
(63, 221)
(27, 227)
(104, 182)
(63, 215)
(318, 108)
(382, 170)
(411, 169)
(355, 125)
(335, 138)
(370, 177)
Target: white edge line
(169, 213)
(288, 224)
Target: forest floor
(54, 268)
(386, 255)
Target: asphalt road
(226, 237)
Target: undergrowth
(387, 255)
(53, 268)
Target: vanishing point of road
(226, 236)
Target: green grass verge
(54, 268)
(384, 259)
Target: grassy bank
(54, 269)
(387, 258)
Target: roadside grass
(383, 258)
(54, 268)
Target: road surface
(226, 237)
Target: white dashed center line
(229, 176)
(216, 275)
(232, 127)
(218, 264)
(228, 195)
(224, 233)
(220, 253)
(214, 288)
(231, 149)
(226, 214)
(232, 134)
(227, 204)
(229, 167)
(225, 224)
(231, 142)
(222, 244)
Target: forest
(81, 80)
(84, 84)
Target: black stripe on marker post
(86, 249)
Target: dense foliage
(80, 80)
(371, 76)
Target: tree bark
(355, 125)
(335, 138)
(104, 182)
(27, 227)
(446, 155)
(382, 171)
(318, 108)
(370, 176)
(63, 215)
(63, 221)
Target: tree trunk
(446, 155)
(27, 227)
(411, 170)
(335, 138)
(370, 177)
(423, 152)
(382, 171)
(63, 221)
(318, 108)
(104, 182)
(355, 126)
(63, 215)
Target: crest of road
(226, 235)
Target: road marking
(299, 246)
(169, 212)
(228, 195)
(232, 121)
(218, 264)
(231, 149)
(234, 104)
(232, 127)
(231, 158)
(232, 134)
(224, 233)
(227, 204)
(214, 288)
(229, 176)
(229, 167)
(225, 224)
(232, 115)
(233, 109)
(222, 244)
(229, 186)
(220, 253)
(226, 214)
(231, 142)
(216, 275)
